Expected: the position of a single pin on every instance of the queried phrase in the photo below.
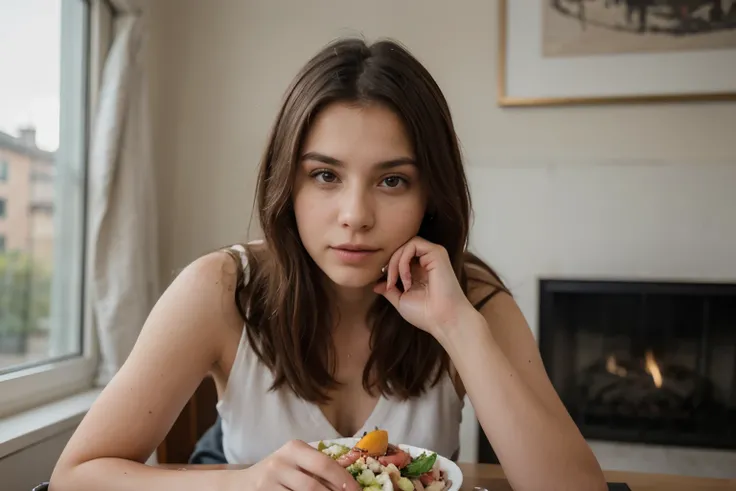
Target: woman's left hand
(432, 298)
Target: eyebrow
(386, 164)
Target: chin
(354, 278)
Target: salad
(378, 465)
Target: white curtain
(123, 199)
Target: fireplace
(651, 362)
(643, 361)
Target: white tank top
(256, 421)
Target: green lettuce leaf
(419, 466)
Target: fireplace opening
(643, 361)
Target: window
(45, 348)
(2, 207)
(4, 170)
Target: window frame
(33, 385)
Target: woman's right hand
(296, 466)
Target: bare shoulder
(215, 273)
(182, 339)
(196, 315)
(207, 286)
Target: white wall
(612, 191)
(221, 67)
(666, 218)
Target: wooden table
(491, 477)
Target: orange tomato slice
(374, 443)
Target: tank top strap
(239, 250)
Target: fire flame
(613, 367)
(653, 369)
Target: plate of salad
(378, 465)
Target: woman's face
(357, 194)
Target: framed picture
(554, 52)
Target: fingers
(321, 466)
(407, 254)
(399, 265)
(296, 480)
(392, 270)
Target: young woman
(361, 308)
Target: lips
(353, 253)
(355, 248)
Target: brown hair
(280, 297)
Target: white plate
(454, 473)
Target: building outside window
(4, 165)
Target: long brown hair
(284, 305)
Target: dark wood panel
(195, 418)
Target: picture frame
(527, 78)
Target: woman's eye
(393, 181)
(324, 176)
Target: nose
(356, 209)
